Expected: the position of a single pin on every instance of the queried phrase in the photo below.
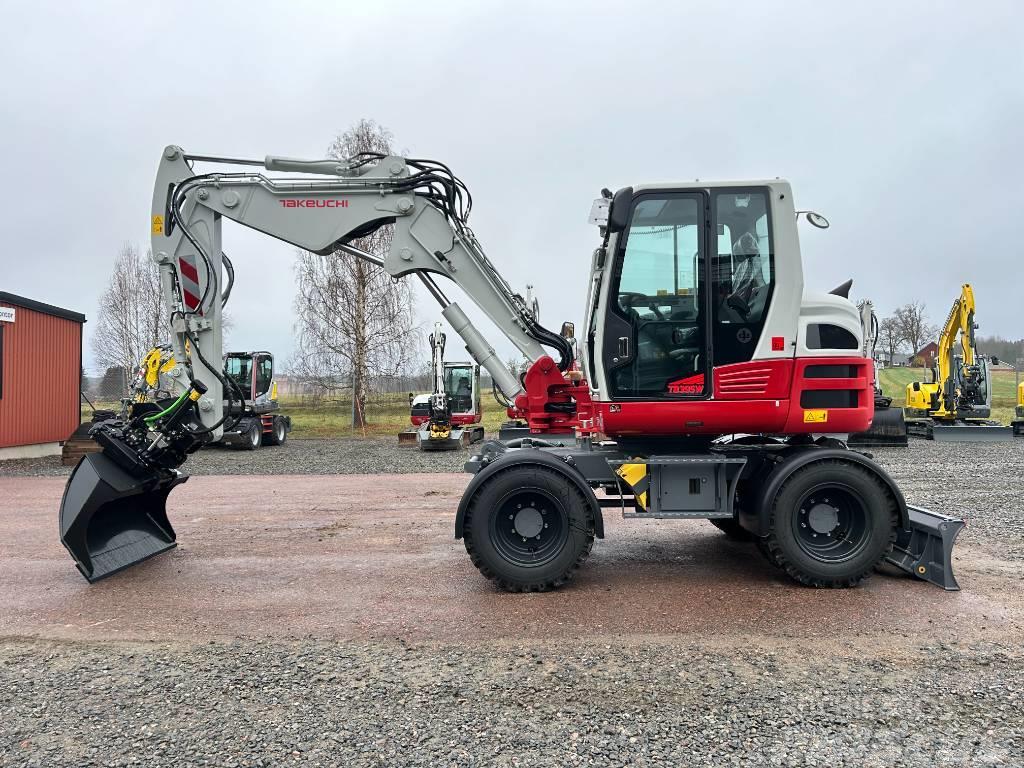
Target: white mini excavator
(710, 384)
(449, 417)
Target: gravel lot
(749, 684)
(980, 483)
(296, 457)
(652, 704)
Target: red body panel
(760, 396)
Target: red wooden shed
(40, 376)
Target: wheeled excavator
(888, 427)
(710, 385)
(252, 377)
(957, 403)
(449, 417)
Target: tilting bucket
(888, 428)
(110, 520)
(925, 549)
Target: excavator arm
(113, 513)
(333, 204)
(960, 326)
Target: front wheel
(831, 523)
(252, 438)
(529, 529)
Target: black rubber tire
(278, 432)
(762, 547)
(253, 437)
(731, 527)
(878, 510)
(567, 501)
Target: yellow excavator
(255, 401)
(1018, 414)
(956, 405)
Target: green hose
(169, 409)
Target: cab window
(655, 346)
(742, 272)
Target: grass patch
(894, 383)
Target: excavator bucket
(888, 428)
(110, 519)
(925, 548)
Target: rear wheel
(529, 529)
(831, 523)
(278, 432)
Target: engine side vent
(828, 398)
(831, 372)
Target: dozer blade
(971, 433)
(110, 520)
(925, 549)
(888, 428)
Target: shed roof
(38, 306)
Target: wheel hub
(823, 518)
(529, 522)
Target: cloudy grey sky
(901, 122)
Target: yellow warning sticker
(815, 417)
(158, 225)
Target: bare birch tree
(890, 337)
(131, 317)
(913, 325)
(353, 321)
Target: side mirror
(568, 330)
(618, 214)
(814, 219)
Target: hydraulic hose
(169, 409)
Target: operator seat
(463, 396)
(749, 291)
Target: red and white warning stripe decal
(189, 278)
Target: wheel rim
(254, 436)
(529, 527)
(831, 523)
(279, 430)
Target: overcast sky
(901, 122)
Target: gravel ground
(295, 457)
(980, 483)
(652, 704)
(739, 697)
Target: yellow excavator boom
(959, 326)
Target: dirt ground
(324, 620)
(364, 556)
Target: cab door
(656, 335)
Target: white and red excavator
(449, 417)
(710, 384)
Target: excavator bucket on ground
(888, 428)
(110, 519)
